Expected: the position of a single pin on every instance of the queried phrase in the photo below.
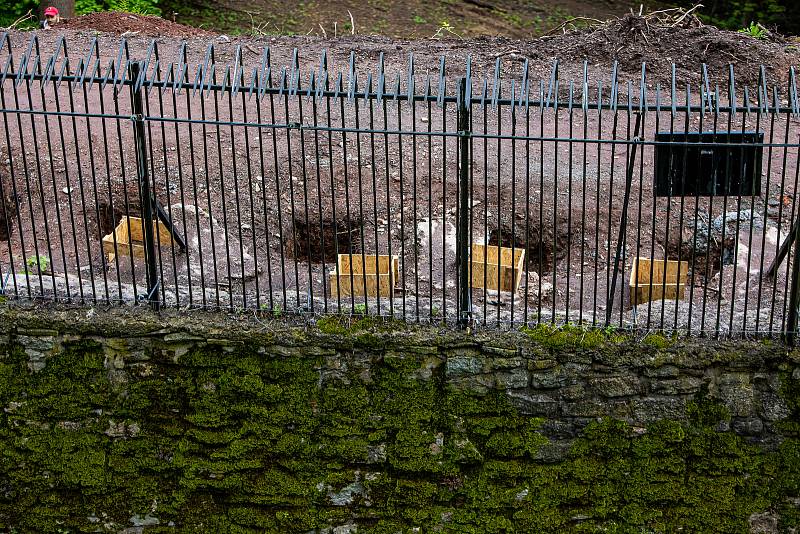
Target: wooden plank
(130, 238)
(366, 264)
(349, 277)
(500, 264)
(661, 287)
(642, 267)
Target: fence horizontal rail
(511, 204)
(420, 133)
(592, 101)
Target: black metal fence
(479, 200)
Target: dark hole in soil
(109, 219)
(124, 203)
(704, 262)
(8, 212)
(312, 241)
(543, 244)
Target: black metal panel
(688, 165)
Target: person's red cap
(51, 12)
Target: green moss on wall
(253, 439)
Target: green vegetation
(756, 31)
(139, 7)
(37, 264)
(571, 336)
(15, 10)
(247, 440)
(18, 8)
(735, 14)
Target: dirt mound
(127, 23)
(659, 42)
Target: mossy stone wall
(123, 421)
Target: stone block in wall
(461, 365)
(129, 349)
(616, 386)
(479, 384)
(535, 404)
(550, 378)
(512, 379)
(538, 365)
(736, 393)
(763, 523)
(597, 408)
(38, 347)
(428, 367)
(685, 385)
(334, 369)
(553, 451)
(655, 408)
(748, 426)
(181, 337)
(500, 352)
(662, 371)
(506, 363)
(772, 407)
(573, 392)
(556, 428)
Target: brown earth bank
(630, 41)
(407, 19)
(131, 24)
(411, 214)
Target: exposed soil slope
(129, 24)
(629, 40)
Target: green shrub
(735, 14)
(756, 31)
(87, 6)
(139, 7)
(17, 9)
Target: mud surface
(252, 201)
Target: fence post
(623, 224)
(145, 193)
(462, 259)
(790, 334)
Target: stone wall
(122, 421)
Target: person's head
(51, 15)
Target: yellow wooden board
(502, 267)
(129, 235)
(379, 272)
(658, 284)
